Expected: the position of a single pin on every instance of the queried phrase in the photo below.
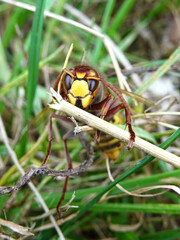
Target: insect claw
(98, 134)
(130, 144)
(60, 215)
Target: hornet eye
(68, 82)
(92, 84)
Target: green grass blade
(33, 66)
(120, 17)
(139, 207)
(105, 20)
(161, 70)
(172, 234)
(34, 55)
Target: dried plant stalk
(95, 122)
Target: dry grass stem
(124, 228)
(167, 125)
(121, 79)
(110, 129)
(156, 114)
(137, 192)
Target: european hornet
(83, 87)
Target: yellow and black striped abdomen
(109, 145)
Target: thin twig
(44, 170)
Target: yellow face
(80, 88)
(79, 91)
